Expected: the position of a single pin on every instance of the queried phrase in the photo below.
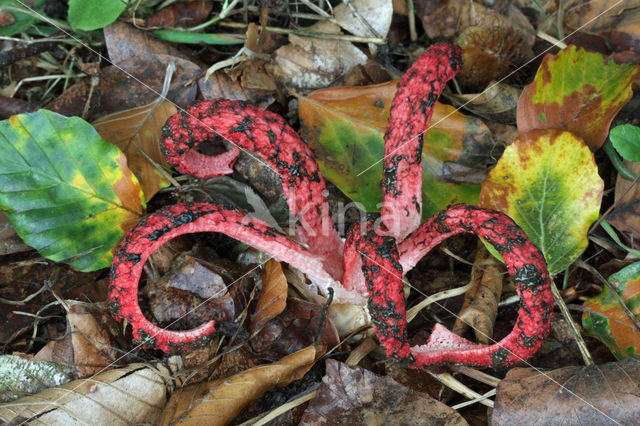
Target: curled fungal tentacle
(411, 112)
(170, 222)
(524, 262)
(266, 135)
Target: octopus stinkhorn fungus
(369, 265)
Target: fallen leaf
(497, 103)
(296, 327)
(345, 127)
(312, 62)
(605, 318)
(136, 131)
(617, 22)
(359, 17)
(182, 15)
(548, 183)
(217, 403)
(626, 215)
(592, 395)
(89, 345)
(480, 305)
(273, 295)
(130, 395)
(578, 91)
(123, 41)
(355, 396)
(140, 84)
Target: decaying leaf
(480, 305)
(217, 403)
(498, 102)
(345, 128)
(137, 132)
(311, 63)
(626, 216)
(130, 395)
(89, 345)
(273, 296)
(578, 91)
(594, 395)
(355, 396)
(548, 183)
(605, 318)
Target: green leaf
(345, 126)
(547, 182)
(68, 193)
(187, 37)
(578, 91)
(90, 15)
(23, 20)
(626, 140)
(605, 318)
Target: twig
(586, 356)
(452, 383)
(31, 49)
(411, 14)
(478, 375)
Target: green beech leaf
(68, 193)
(345, 127)
(547, 182)
(578, 91)
(626, 140)
(605, 318)
(90, 15)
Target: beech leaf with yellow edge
(578, 91)
(345, 127)
(547, 182)
(605, 318)
(68, 193)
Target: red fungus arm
(523, 260)
(266, 135)
(411, 111)
(163, 225)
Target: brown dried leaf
(140, 84)
(497, 103)
(626, 216)
(355, 396)
(183, 14)
(592, 395)
(123, 41)
(130, 395)
(618, 22)
(217, 403)
(135, 130)
(89, 346)
(312, 63)
(294, 329)
(480, 305)
(273, 296)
